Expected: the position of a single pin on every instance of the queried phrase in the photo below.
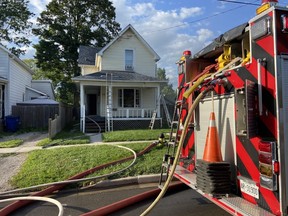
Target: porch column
(82, 108)
(158, 101)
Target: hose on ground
(114, 207)
(16, 205)
(177, 155)
(77, 180)
(37, 198)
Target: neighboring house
(16, 83)
(118, 82)
(40, 88)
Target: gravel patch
(11, 164)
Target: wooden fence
(38, 116)
(35, 116)
(54, 126)
(60, 121)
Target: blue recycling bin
(12, 123)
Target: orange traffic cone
(212, 150)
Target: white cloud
(204, 35)
(38, 6)
(188, 12)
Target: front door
(91, 104)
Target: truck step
(229, 202)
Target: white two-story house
(118, 83)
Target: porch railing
(132, 113)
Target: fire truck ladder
(109, 115)
(176, 129)
(173, 141)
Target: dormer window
(129, 60)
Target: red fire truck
(242, 77)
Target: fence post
(50, 128)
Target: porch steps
(94, 124)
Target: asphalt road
(183, 202)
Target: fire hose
(177, 155)
(189, 115)
(59, 185)
(37, 198)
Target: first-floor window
(129, 98)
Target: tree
(38, 73)
(15, 25)
(166, 88)
(62, 28)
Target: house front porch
(121, 120)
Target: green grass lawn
(133, 135)
(50, 165)
(11, 143)
(73, 138)
(65, 138)
(44, 166)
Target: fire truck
(242, 79)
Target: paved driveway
(184, 202)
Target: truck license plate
(249, 188)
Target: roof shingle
(87, 55)
(118, 76)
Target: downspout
(158, 103)
(7, 107)
(82, 108)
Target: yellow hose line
(195, 85)
(201, 79)
(182, 138)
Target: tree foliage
(38, 73)
(166, 88)
(62, 28)
(15, 25)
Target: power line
(239, 2)
(204, 18)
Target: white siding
(148, 99)
(3, 63)
(114, 57)
(18, 80)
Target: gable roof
(87, 55)
(156, 56)
(123, 76)
(18, 60)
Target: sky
(172, 26)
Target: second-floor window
(129, 60)
(129, 98)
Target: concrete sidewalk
(94, 140)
